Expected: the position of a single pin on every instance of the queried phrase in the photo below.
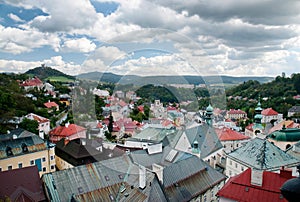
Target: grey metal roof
(186, 179)
(154, 134)
(294, 109)
(207, 138)
(262, 154)
(141, 157)
(18, 132)
(93, 178)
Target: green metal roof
(287, 135)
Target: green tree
(30, 125)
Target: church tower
(258, 127)
(209, 115)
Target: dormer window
(9, 151)
(24, 148)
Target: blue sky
(151, 37)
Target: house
(16, 133)
(252, 185)
(44, 123)
(230, 139)
(51, 105)
(184, 177)
(269, 115)
(131, 95)
(70, 153)
(236, 114)
(101, 93)
(32, 83)
(116, 179)
(158, 110)
(284, 124)
(259, 154)
(285, 138)
(23, 184)
(69, 131)
(119, 94)
(293, 110)
(202, 141)
(20, 152)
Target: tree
(110, 123)
(30, 125)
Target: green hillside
(44, 72)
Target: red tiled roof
(287, 124)
(67, 131)
(37, 118)
(141, 108)
(250, 127)
(32, 82)
(50, 104)
(171, 108)
(24, 182)
(239, 188)
(269, 112)
(122, 103)
(227, 134)
(236, 111)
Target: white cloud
(15, 17)
(16, 41)
(83, 45)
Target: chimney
(67, 125)
(66, 141)
(142, 177)
(256, 177)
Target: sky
(141, 37)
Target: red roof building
(231, 139)
(32, 83)
(69, 131)
(269, 115)
(250, 186)
(21, 185)
(236, 114)
(50, 105)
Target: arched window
(9, 151)
(24, 148)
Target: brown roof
(21, 183)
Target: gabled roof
(189, 178)
(50, 104)
(206, 137)
(235, 111)
(37, 118)
(263, 155)
(239, 188)
(269, 112)
(227, 134)
(66, 131)
(295, 109)
(97, 177)
(32, 82)
(24, 182)
(250, 127)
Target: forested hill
(44, 72)
(277, 94)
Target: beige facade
(61, 164)
(44, 160)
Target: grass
(60, 79)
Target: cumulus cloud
(65, 15)
(16, 41)
(83, 45)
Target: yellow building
(26, 151)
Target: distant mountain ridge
(44, 72)
(196, 80)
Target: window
(230, 173)
(0, 169)
(51, 157)
(236, 165)
(20, 165)
(44, 169)
(9, 167)
(9, 151)
(230, 162)
(24, 148)
(52, 167)
(32, 162)
(43, 159)
(242, 168)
